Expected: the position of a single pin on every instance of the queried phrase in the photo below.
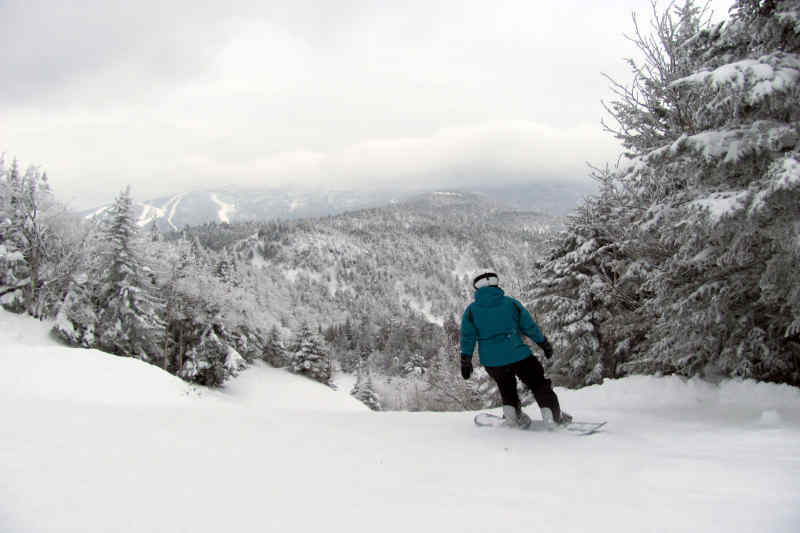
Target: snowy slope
(91, 442)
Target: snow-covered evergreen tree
(589, 296)
(686, 261)
(733, 272)
(129, 313)
(274, 350)
(13, 267)
(112, 304)
(310, 357)
(364, 390)
(29, 242)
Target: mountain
(231, 205)
(554, 198)
(386, 283)
(414, 257)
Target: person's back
(497, 322)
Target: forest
(687, 261)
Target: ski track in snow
(149, 213)
(175, 201)
(91, 442)
(224, 209)
(97, 213)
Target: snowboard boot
(550, 421)
(515, 417)
(523, 420)
(547, 417)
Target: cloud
(507, 152)
(61, 51)
(171, 95)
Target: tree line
(357, 293)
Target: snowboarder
(497, 322)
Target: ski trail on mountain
(225, 209)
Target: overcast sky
(176, 95)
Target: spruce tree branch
(9, 290)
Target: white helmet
(487, 279)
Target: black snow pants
(531, 373)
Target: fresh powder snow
(91, 442)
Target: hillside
(235, 205)
(413, 257)
(382, 286)
(98, 443)
(228, 204)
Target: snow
(10, 297)
(97, 213)
(760, 77)
(234, 360)
(787, 175)
(784, 176)
(422, 308)
(173, 203)
(729, 144)
(721, 204)
(225, 209)
(149, 213)
(92, 442)
(11, 257)
(770, 418)
(464, 266)
(293, 274)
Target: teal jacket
(497, 322)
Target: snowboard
(578, 428)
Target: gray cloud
(169, 95)
(111, 48)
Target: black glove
(547, 347)
(466, 366)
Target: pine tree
(154, 232)
(349, 336)
(686, 261)
(26, 213)
(13, 268)
(129, 313)
(364, 390)
(452, 330)
(274, 351)
(733, 274)
(310, 357)
(591, 291)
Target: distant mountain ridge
(230, 205)
(240, 205)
